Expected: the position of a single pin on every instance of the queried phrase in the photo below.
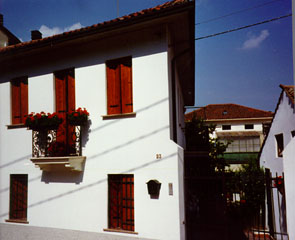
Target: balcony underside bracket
(72, 163)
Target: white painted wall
(283, 122)
(237, 127)
(289, 167)
(126, 145)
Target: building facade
(133, 77)
(277, 155)
(242, 126)
(7, 38)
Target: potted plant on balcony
(78, 117)
(42, 121)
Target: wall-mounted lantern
(153, 187)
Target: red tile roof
(104, 26)
(289, 90)
(227, 111)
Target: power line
(240, 28)
(237, 12)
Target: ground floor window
(121, 201)
(18, 197)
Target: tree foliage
(199, 137)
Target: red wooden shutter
(71, 91)
(15, 102)
(24, 99)
(65, 102)
(114, 200)
(127, 203)
(61, 108)
(18, 196)
(113, 88)
(121, 202)
(71, 106)
(126, 86)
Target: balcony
(58, 149)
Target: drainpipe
(173, 82)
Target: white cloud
(47, 31)
(255, 41)
(73, 27)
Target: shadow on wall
(77, 177)
(85, 133)
(62, 177)
(94, 183)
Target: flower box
(42, 121)
(78, 117)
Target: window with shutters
(18, 197)
(121, 202)
(19, 100)
(64, 103)
(119, 86)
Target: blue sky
(243, 67)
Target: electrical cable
(237, 12)
(240, 28)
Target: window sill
(122, 115)
(17, 221)
(13, 126)
(119, 231)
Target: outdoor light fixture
(153, 187)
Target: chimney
(1, 19)
(35, 35)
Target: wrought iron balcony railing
(56, 142)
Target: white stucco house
(134, 75)
(277, 155)
(243, 126)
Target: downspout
(173, 82)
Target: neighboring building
(245, 127)
(134, 75)
(6, 37)
(277, 155)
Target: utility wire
(237, 12)
(240, 28)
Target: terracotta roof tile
(227, 111)
(289, 91)
(130, 17)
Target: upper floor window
(280, 144)
(119, 86)
(226, 127)
(65, 103)
(249, 126)
(293, 133)
(19, 100)
(246, 144)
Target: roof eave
(85, 32)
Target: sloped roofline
(284, 87)
(140, 16)
(268, 114)
(12, 39)
(289, 90)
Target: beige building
(6, 37)
(245, 127)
